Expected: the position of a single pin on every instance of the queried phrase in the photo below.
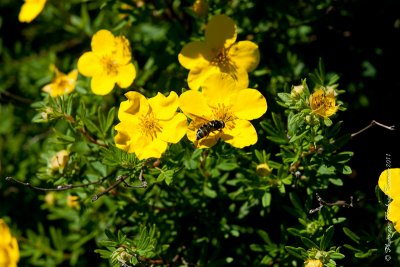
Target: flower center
(223, 61)
(109, 65)
(149, 125)
(222, 112)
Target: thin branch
(372, 124)
(120, 179)
(323, 203)
(58, 188)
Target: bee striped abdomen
(209, 127)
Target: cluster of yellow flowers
(389, 183)
(9, 252)
(218, 103)
(220, 110)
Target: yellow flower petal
(198, 75)
(153, 149)
(126, 75)
(174, 129)
(30, 10)
(102, 84)
(242, 134)
(389, 182)
(249, 104)
(73, 75)
(194, 104)
(103, 42)
(4, 233)
(220, 32)
(245, 54)
(393, 213)
(218, 88)
(136, 105)
(164, 107)
(195, 54)
(126, 137)
(89, 64)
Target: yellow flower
(200, 7)
(30, 10)
(72, 201)
(9, 252)
(263, 169)
(50, 199)
(219, 53)
(59, 160)
(389, 183)
(62, 83)
(222, 100)
(108, 63)
(313, 263)
(148, 125)
(323, 104)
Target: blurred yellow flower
(108, 63)
(9, 251)
(323, 104)
(62, 83)
(30, 10)
(263, 169)
(50, 199)
(72, 201)
(200, 7)
(219, 53)
(59, 160)
(313, 263)
(221, 100)
(389, 183)
(148, 125)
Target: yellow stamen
(149, 125)
(110, 65)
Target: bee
(209, 127)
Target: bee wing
(198, 120)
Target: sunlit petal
(173, 130)
(30, 10)
(194, 104)
(103, 42)
(245, 54)
(136, 105)
(242, 134)
(218, 88)
(164, 107)
(389, 182)
(195, 54)
(153, 149)
(102, 84)
(126, 75)
(248, 104)
(89, 64)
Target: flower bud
(263, 169)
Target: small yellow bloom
(219, 53)
(200, 7)
(222, 100)
(62, 83)
(49, 198)
(108, 63)
(148, 125)
(30, 10)
(389, 183)
(263, 169)
(59, 160)
(9, 251)
(72, 201)
(313, 263)
(323, 104)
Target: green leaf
(299, 253)
(209, 192)
(336, 256)
(352, 235)
(336, 181)
(326, 238)
(327, 122)
(266, 199)
(227, 166)
(105, 254)
(346, 169)
(308, 242)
